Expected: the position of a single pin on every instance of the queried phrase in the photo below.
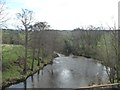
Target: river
(67, 72)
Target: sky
(67, 14)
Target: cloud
(68, 14)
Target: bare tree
(40, 26)
(108, 53)
(3, 13)
(113, 55)
(26, 19)
(33, 45)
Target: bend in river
(66, 72)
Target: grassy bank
(12, 63)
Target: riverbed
(67, 72)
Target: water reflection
(32, 79)
(38, 76)
(25, 85)
(65, 77)
(67, 72)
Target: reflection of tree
(25, 85)
(38, 76)
(32, 79)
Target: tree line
(102, 45)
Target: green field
(12, 62)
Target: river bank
(12, 64)
(22, 78)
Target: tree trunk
(38, 57)
(42, 55)
(26, 42)
(33, 57)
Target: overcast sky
(67, 14)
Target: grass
(11, 52)
(11, 70)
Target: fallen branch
(103, 85)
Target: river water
(67, 72)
